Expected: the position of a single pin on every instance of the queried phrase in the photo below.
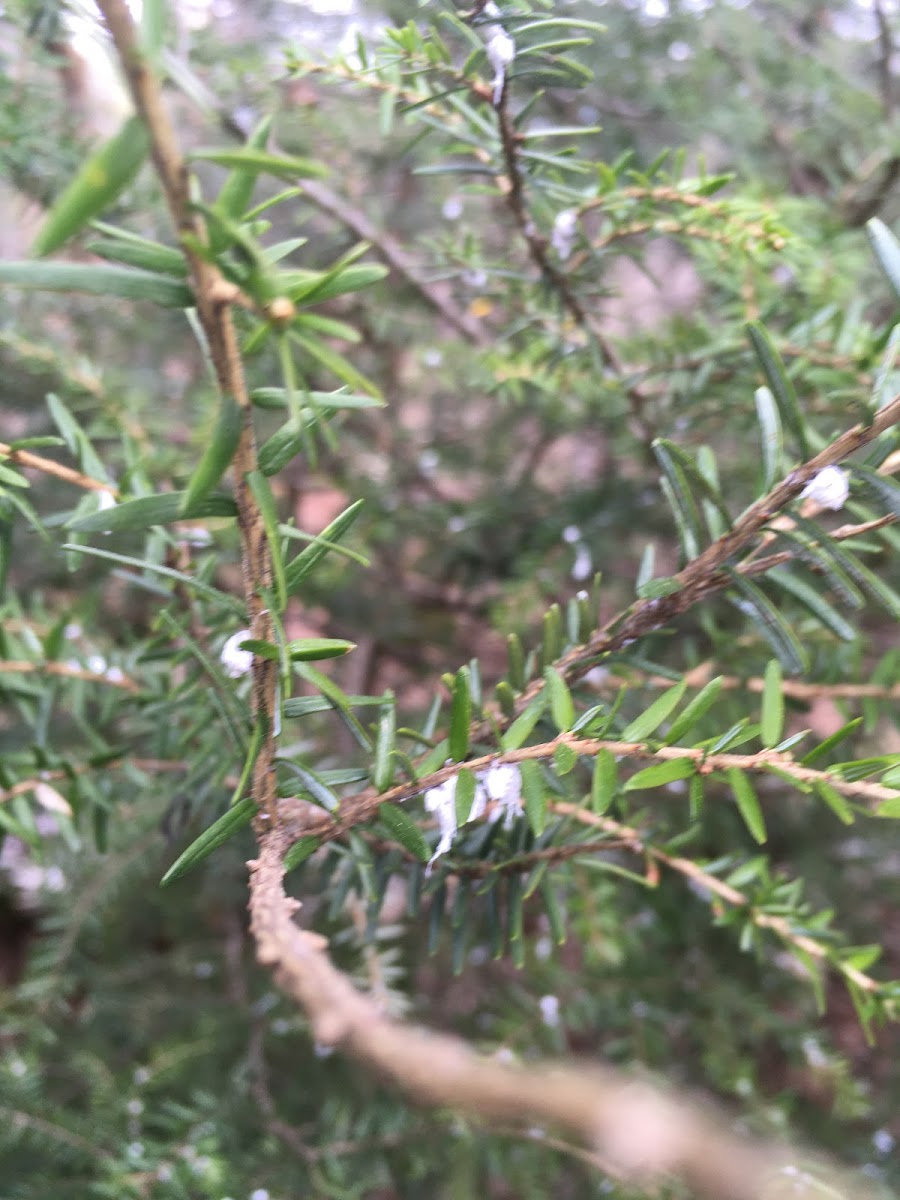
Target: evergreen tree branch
(214, 297)
(699, 579)
(718, 888)
(339, 208)
(702, 575)
(513, 188)
(363, 806)
(797, 689)
(645, 1134)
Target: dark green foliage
(708, 902)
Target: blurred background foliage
(143, 1052)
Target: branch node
(222, 292)
(281, 311)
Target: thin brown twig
(47, 466)
(666, 226)
(542, 1138)
(363, 806)
(518, 865)
(723, 891)
(151, 765)
(700, 675)
(214, 296)
(66, 671)
(814, 354)
(514, 191)
(15, 1118)
(393, 254)
(68, 372)
(673, 195)
(796, 689)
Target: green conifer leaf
(97, 185)
(515, 917)
(276, 397)
(314, 649)
(142, 565)
(336, 364)
(812, 599)
(283, 446)
(234, 197)
(661, 773)
(678, 493)
(506, 698)
(516, 655)
(92, 279)
(882, 486)
(534, 794)
(314, 287)
(772, 719)
(153, 510)
(140, 253)
(460, 716)
(747, 802)
(385, 740)
(835, 802)
(779, 383)
(887, 250)
(551, 640)
(604, 781)
(464, 796)
(831, 741)
(405, 830)
(230, 823)
(218, 454)
(695, 797)
(754, 603)
(251, 159)
(565, 759)
(265, 501)
(772, 437)
(659, 710)
(694, 711)
(520, 730)
(562, 709)
(309, 558)
(301, 851)
(152, 31)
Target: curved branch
(642, 1133)
(214, 296)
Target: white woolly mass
(829, 488)
(503, 783)
(500, 783)
(501, 50)
(562, 239)
(236, 661)
(549, 1006)
(441, 801)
